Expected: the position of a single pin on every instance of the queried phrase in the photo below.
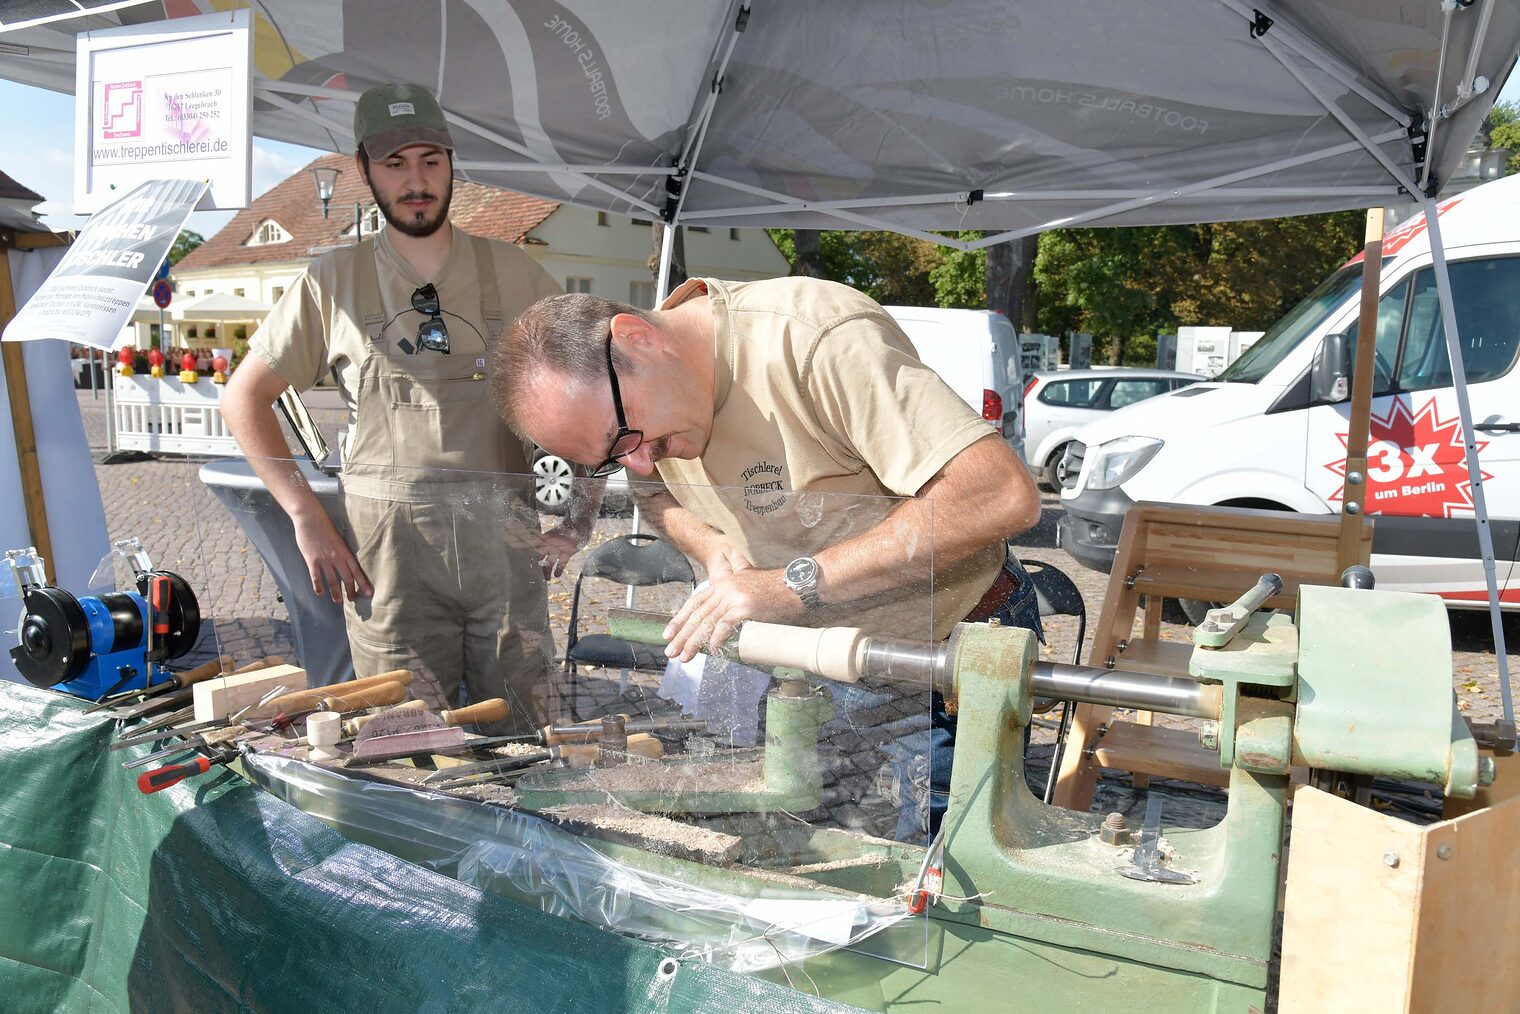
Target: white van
(1271, 431)
(977, 353)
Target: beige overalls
(440, 507)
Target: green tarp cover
(215, 896)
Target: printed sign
(90, 296)
(162, 294)
(1416, 464)
(169, 100)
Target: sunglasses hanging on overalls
(431, 333)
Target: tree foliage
(1504, 132)
(187, 240)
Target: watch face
(801, 572)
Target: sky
(39, 153)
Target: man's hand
(724, 558)
(556, 546)
(715, 610)
(333, 568)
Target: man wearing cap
(440, 570)
(755, 403)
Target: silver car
(1059, 403)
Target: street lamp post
(326, 179)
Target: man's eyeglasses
(431, 333)
(626, 441)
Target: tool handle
(370, 697)
(353, 725)
(302, 699)
(263, 663)
(202, 672)
(171, 774)
(484, 713)
(583, 755)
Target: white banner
(89, 297)
(164, 101)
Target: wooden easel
(1211, 554)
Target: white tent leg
(667, 256)
(1474, 471)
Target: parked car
(1057, 404)
(552, 482)
(977, 353)
(1271, 432)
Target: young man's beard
(415, 223)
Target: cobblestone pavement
(187, 530)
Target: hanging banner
(164, 101)
(90, 296)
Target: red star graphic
(1416, 466)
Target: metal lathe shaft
(1119, 688)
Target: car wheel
(1052, 470)
(552, 476)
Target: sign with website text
(169, 100)
(90, 296)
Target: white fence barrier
(169, 416)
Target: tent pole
(25, 434)
(667, 256)
(1474, 470)
(1354, 491)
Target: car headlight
(1119, 459)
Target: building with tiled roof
(15, 197)
(267, 246)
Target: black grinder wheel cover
(55, 638)
(184, 612)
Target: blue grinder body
(110, 660)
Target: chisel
(463, 772)
(176, 681)
(371, 697)
(160, 732)
(211, 737)
(302, 700)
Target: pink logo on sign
(123, 109)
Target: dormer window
(268, 232)
(371, 221)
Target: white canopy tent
(1010, 117)
(222, 308)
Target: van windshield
(1283, 337)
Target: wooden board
(220, 697)
(1376, 919)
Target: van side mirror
(1332, 370)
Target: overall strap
(490, 295)
(367, 285)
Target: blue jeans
(1022, 609)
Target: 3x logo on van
(1415, 464)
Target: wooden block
(1384, 915)
(220, 697)
(1159, 750)
(1506, 786)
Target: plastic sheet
(215, 896)
(536, 862)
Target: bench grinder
(93, 646)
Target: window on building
(371, 221)
(640, 221)
(574, 284)
(278, 291)
(189, 293)
(268, 232)
(733, 234)
(239, 292)
(601, 219)
(697, 228)
(641, 294)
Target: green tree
(1503, 125)
(187, 240)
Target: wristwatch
(801, 576)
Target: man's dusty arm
(248, 407)
(981, 497)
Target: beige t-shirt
(825, 418)
(318, 325)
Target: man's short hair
(565, 335)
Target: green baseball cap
(390, 117)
